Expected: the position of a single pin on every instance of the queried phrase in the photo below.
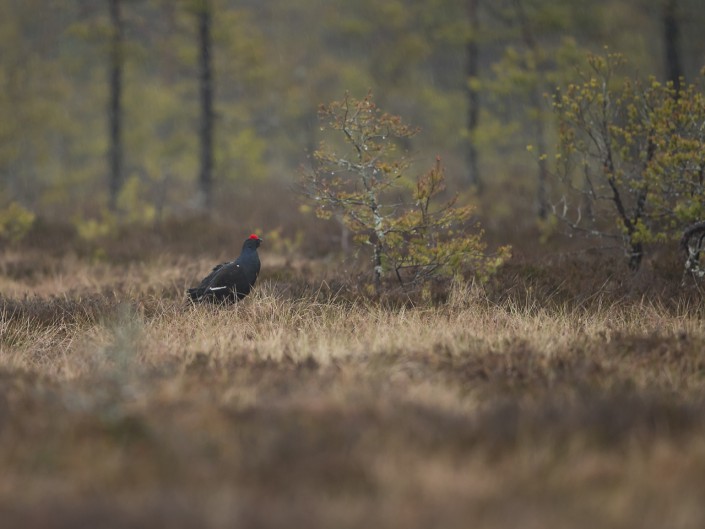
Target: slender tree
(673, 68)
(115, 153)
(205, 179)
(473, 94)
(363, 182)
(536, 99)
(640, 148)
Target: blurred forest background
(139, 112)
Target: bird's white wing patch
(217, 288)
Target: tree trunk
(692, 244)
(205, 178)
(673, 68)
(542, 181)
(115, 103)
(636, 255)
(378, 240)
(536, 98)
(378, 266)
(473, 57)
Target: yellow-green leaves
(637, 151)
(359, 174)
(15, 222)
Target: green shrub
(363, 179)
(15, 222)
(631, 156)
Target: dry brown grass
(310, 406)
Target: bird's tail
(194, 294)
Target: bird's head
(253, 241)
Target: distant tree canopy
(272, 64)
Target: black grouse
(231, 281)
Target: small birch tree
(633, 155)
(364, 179)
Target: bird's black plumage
(233, 280)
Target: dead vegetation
(523, 402)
